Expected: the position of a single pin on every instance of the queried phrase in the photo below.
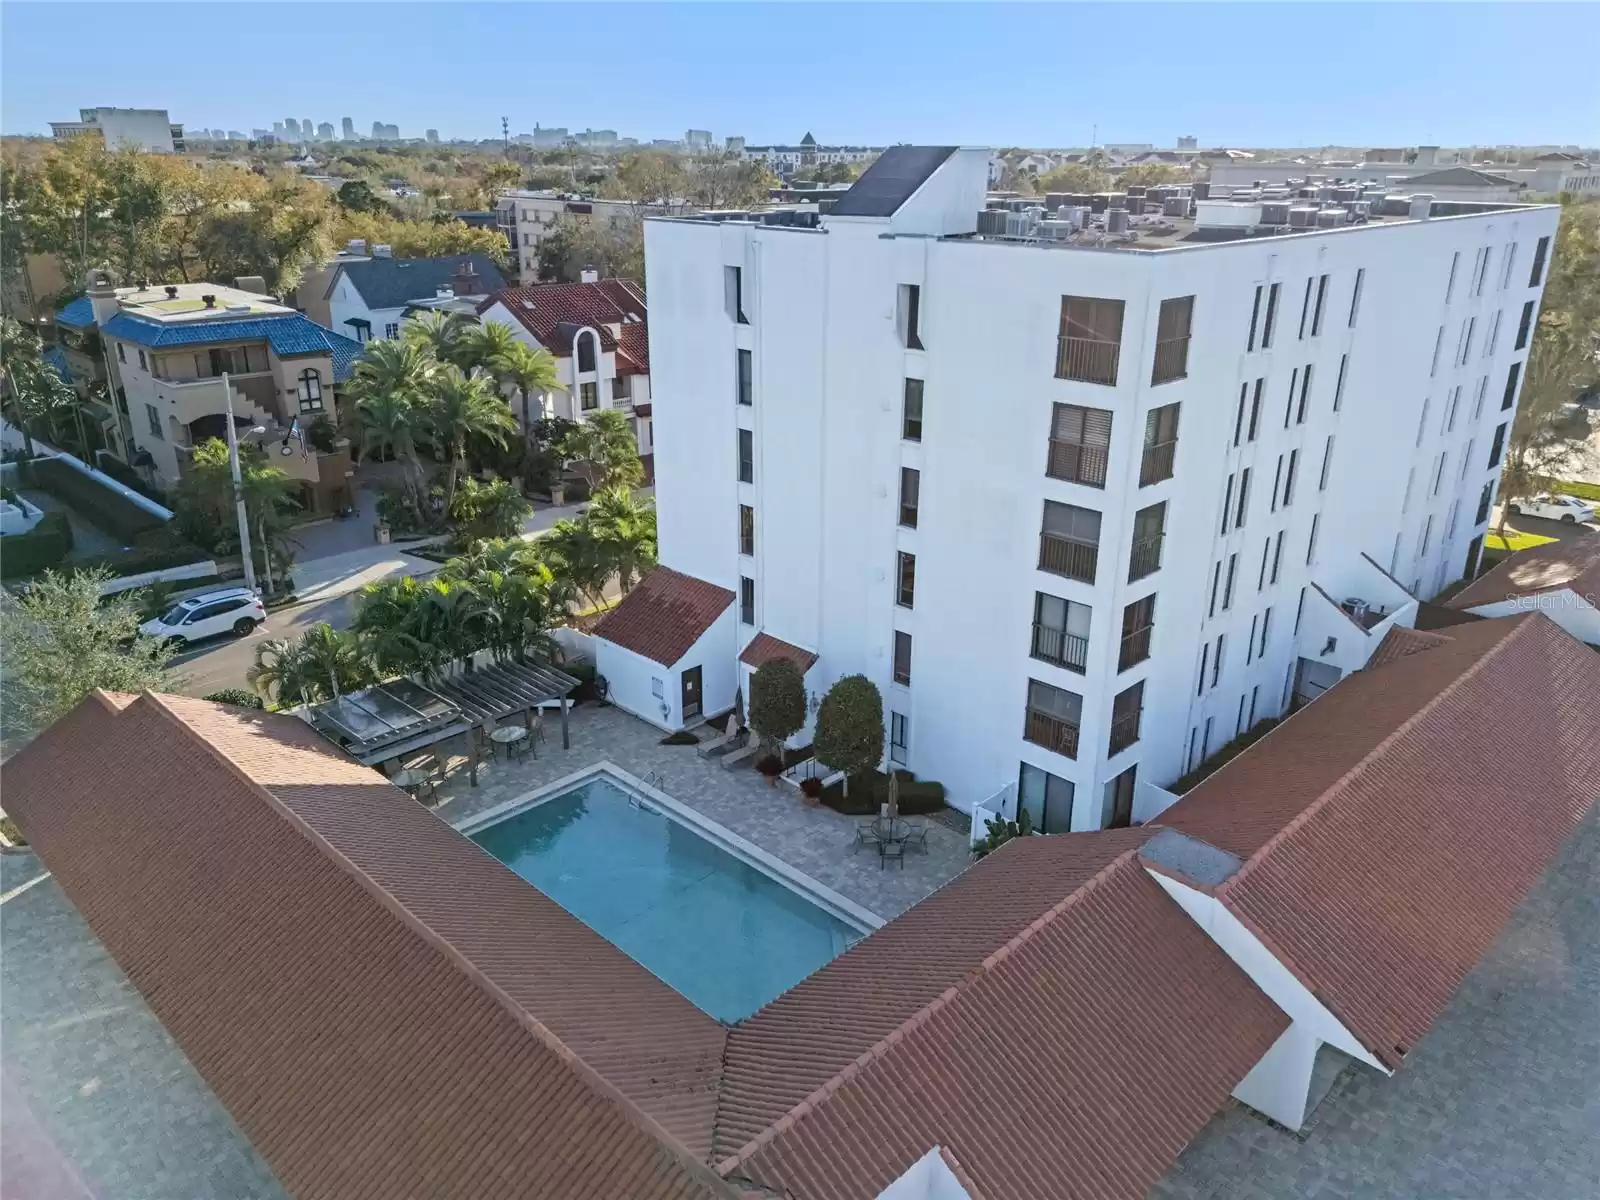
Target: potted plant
(771, 766)
(811, 789)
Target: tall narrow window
(1255, 320)
(1305, 396)
(1509, 265)
(1327, 459)
(1250, 649)
(910, 496)
(1216, 588)
(1160, 444)
(1060, 632)
(906, 591)
(1205, 661)
(1266, 630)
(746, 377)
(1438, 345)
(1338, 387)
(1438, 472)
(747, 530)
(1172, 340)
(902, 657)
(1497, 447)
(588, 396)
(1244, 498)
(1069, 542)
(1316, 314)
(747, 600)
(1080, 444)
(1355, 296)
(1288, 402)
(1277, 555)
(1149, 529)
(1238, 421)
(310, 390)
(899, 738)
(1468, 328)
(1270, 324)
(1126, 709)
(1524, 326)
(153, 416)
(911, 315)
(1266, 556)
(1539, 252)
(733, 289)
(1289, 477)
(1510, 396)
(1450, 285)
(1227, 505)
(1277, 480)
(1216, 658)
(1090, 341)
(1138, 620)
(1311, 542)
(1227, 587)
(586, 347)
(1493, 340)
(911, 413)
(1422, 421)
(1255, 409)
(1305, 306)
(747, 456)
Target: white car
(1567, 509)
(230, 610)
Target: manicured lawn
(1514, 540)
(1583, 491)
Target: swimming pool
(706, 920)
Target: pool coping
(839, 906)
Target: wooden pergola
(401, 717)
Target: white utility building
(1089, 489)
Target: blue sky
(1037, 75)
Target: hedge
(869, 792)
(110, 510)
(144, 558)
(109, 464)
(45, 545)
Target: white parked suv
(1569, 509)
(229, 610)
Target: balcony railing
(1145, 556)
(1068, 556)
(1172, 360)
(1125, 731)
(1156, 464)
(1135, 648)
(1051, 732)
(1077, 463)
(1057, 646)
(1087, 360)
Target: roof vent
(172, 291)
(528, 304)
(1421, 206)
(209, 300)
(383, 250)
(589, 275)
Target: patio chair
(917, 839)
(717, 744)
(866, 835)
(892, 850)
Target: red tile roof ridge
(924, 1014)
(960, 1172)
(1311, 810)
(630, 1111)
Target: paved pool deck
(814, 840)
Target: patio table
(509, 736)
(413, 780)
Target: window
(1510, 396)
(747, 456)
(1138, 619)
(144, 363)
(1468, 328)
(1316, 315)
(1126, 708)
(1411, 480)
(1277, 479)
(585, 344)
(1090, 341)
(1327, 459)
(902, 657)
(1046, 798)
(910, 491)
(1060, 632)
(1288, 403)
(747, 530)
(1510, 263)
(1172, 340)
(1450, 410)
(1477, 403)
(310, 390)
(1289, 477)
(1305, 394)
(733, 293)
(1205, 661)
(911, 413)
(1355, 296)
(1227, 587)
(1216, 587)
(619, 387)
(1485, 500)
(1160, 444)
(1277, 555)
(1227, 506)
(1069, 542)
(588, 396)
(1438, 472)
(1427, 535)
(905, 593)
(1311, 542)
(1244, 498)
(747, 600)
(1266, 555)
(1539, 251)
(1272, 317)
(1497, 447)
(1524, 326)
(1080, 441)
(746, 371)
(1266, 628)
(1450, 287)
(1338, 387)
(1216, 658)
(122, 353)
(392, 330)
(154, 417)
(1493, 340)
(1480, 270)
(1299, 610)
(1238, 420)
(1250, 648)
(1053, 717)
(898, 738)
(1438, 344)
(910, 316)
(1305, 306)
(1255, 409)
(1149, 528)
(1255, 318)
(1466, 459)
(1422, 421)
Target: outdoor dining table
(890, 830)
(509, 736)
(413, 780)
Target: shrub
(240, 697)
(109, 464)
(45, 545)
(1000, 832)
(849, 733)
(777, 701)
(322, 434)
(110, 510)
(769, 764)
(682, 738)
(12, 833)
(1224, 753)
(811, 788)
(870, 790)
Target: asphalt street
(221, 662)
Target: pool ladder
(655, 779)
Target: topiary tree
(849, 735)
(777, 701)
(239, 697)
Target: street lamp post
(238, 487)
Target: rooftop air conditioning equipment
(1202, 190)
(1324, 193)
(383, 250)
(992, 222)
(1072, 215)
(1058, 231)
(1275, 212)
(1396, 206)
(1225, 214)
(1359, 211)
(1342, 195)
(1305, 193)
(1019, 224)
(1116, 220)
(1356, 607)
(1330, 218)
(1174, 206)
(1054, 200)
(1135, 189)
(1421, 206)
(1302, 217)
(356, 246)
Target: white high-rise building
(1085, 497)
(124, 128)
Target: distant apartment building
(1188, 142)
(526, 217)
(165, 349)
(139, 128)
(347, 129)
(431, 135)
(1548, 175)
(1086, 498)
(788, 159)
(697, 139)
(325, 131)
(734, 145)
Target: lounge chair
(735, 757)
(718, 744)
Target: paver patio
(817, 841)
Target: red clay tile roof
(1573, 562)
(1055, 977)
(664, 615)
(1391, 827)
(633, 350)
(384, 1009)
(1400, 642)
(553, 312)
(764, 646)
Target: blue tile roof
(57, 358)
(79, 314)
(345, 352)
(290, 335)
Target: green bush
(681, 738)
(12, 833)
(110, 510)
(43, 546)
(869, 791)
(849, 734)
(240, 697)
(109, 464)
(999, 832)
(1224, 753)
(777, 700)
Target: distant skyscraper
(260, 135)
(377, 130)
(235, 135)
(349, 130)
(1188, 142)
(291, 128)
(277, 129)
(325, 132)
(432, 135)
(307, 129)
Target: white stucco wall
(630, 677)
(926, 1179)
(1575, 613)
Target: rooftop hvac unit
(1275, 212)
(1396, 206)
(1019, 224)
(1356, 607)
(1302, 217)
(1421, 206)
(1342, 195)
(1202, 190)
(1135, 189)
(1054, 200)
(1225, 214)
(1072, 215)
(992, 222)
(1330, 218)
(1359, 210)
(1174, 206)
(1116, 220)
(1057, 230)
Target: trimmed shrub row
(869, 791)
(110, 510)
(43, 546)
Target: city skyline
(952, 76)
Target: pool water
(721, 932)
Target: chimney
(589, 275)
(102, 297)
(465, 282)
(209, 300)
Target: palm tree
(625, 533)
(33, 392)
(489, 510)
(323, 663)
(531, 372)
(462, 407)
(604, 451)
(479, 346)
(389, 388)
(437, 334)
